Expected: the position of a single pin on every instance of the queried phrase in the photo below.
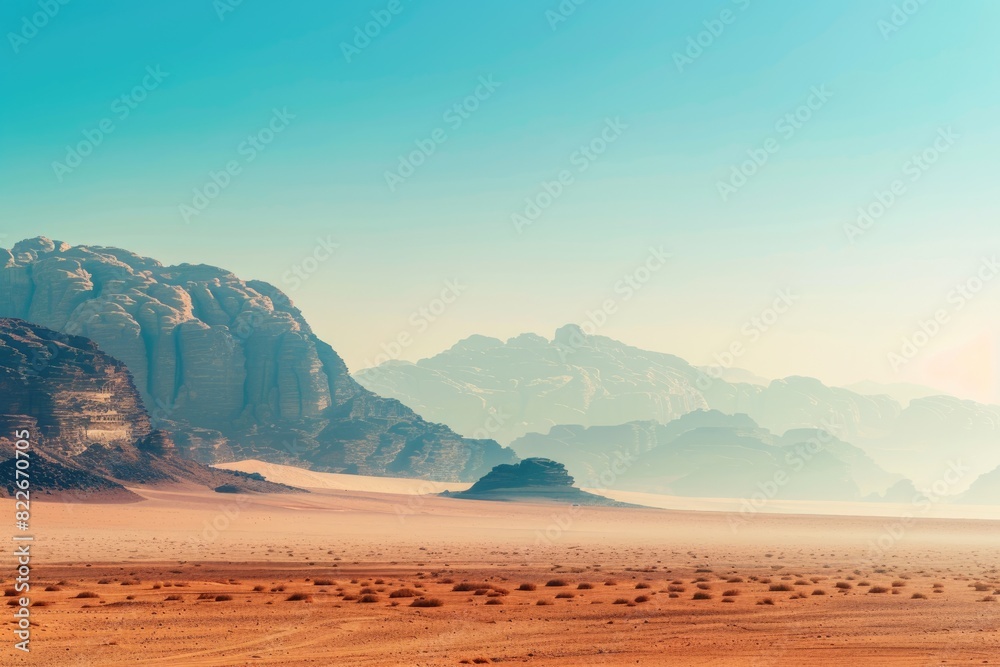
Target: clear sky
(668, 120)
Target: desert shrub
(427, 602)
(766, 601)
(642, 598)
(324, 582)
(492, 601)
(403, 593)
(40, 603)
(52, 589)
(641, 585)
(705, 587)
(527, 587)
(223, 598)
(103, 582)
(205, 596)
(87, 594)
(675, 589)
(566, 596)
(542, 603)
(173, 598)
(368, 591)
(819, 592)
(556, 583)
(780, 588)
(734, 580)
(801, 582)
(878, 589)
(466, 587)
(989, 598)
(981, 588)
(259, 589)
(481, 591)
(702, 595)
(620, 601)
(731, 593)
(898, 584)
(368, 599)
(843, 585)
(299, 597)
(610, 582)
(918, 596)
(585, 586)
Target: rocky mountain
(712, 454)
(228, 367)
(984, 491)
(88, 430)
(527, 384)
(531, 480)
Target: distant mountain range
(82, 424)
(230, 368)
(529, 384)
(711, 454)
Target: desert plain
(365, 572)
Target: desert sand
(193, 577)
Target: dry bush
(642, 598)
(556, 583)
(368, 591)
(702, 595)
(620, 601)
(493, 601)
(675, 589)
(918, 596)
(989, 598)
(981, 588)
(705, 587)
(52, 589)
(566, 596)
(734, 580)
(843, 585)
(544, 602)
(731, 593)
(641, 585)
(403, 593)
(259, 589)
(527, 587)
(427, 602)
(878, 589)
(87, 594)
(585, 586)
(324, 582)
(368, 599)
(466, 587)
(299, 597)
(610, 582)
(223, 598)
(173, 598)
(819, 591)
(780, 588)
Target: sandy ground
(778, 589)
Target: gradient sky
(656, 185)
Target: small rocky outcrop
(532, 480)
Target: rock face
(229, 367)
(88, 429)
(532, 480)
(529, 384)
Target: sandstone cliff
(229, 367)
(89, 431)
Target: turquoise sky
(895, 82)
